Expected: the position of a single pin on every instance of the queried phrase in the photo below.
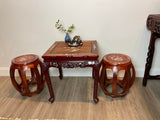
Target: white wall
(27, 26)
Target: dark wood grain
(116, 63)
(153, 24)
(22, 63)
(61, 55)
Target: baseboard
(4, 71)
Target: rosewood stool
(22, 63)
(116, 63)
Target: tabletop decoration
(75, 42)
(60, 27)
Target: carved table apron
(61, 55)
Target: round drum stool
(23, 63)
(116, 63)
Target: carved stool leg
(149, 58)
(114, 84)
(23, 86)
(20, 77)
(105, 76)
(26, 90)
(38, 80)
(41, 69)
(133, 75)
(33, 77)
(102, 78)
(126, 82)
(12, 75)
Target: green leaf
(69, 30)
(72, 26)
(60, 27)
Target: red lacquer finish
(61, 55)
(22, 63)
(116, 63)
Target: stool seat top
(117, 59)
(25, 59)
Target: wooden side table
(61, 55)
(153, 24)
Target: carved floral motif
(71, 64)
(150, 22)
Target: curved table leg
(60, 73)
(49, 84)
(96, 78)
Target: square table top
(60, 49)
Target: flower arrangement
(76, 41)
(60, 27)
